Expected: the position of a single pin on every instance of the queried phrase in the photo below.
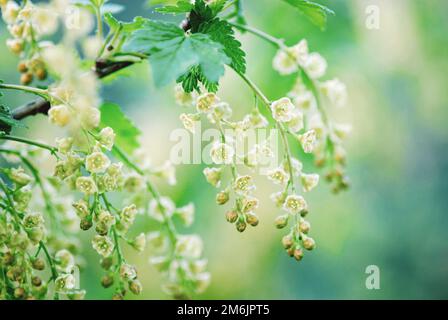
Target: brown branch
(103, 68)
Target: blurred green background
(395, 214)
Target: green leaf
(221, 31)
(315, 12)
(172, 53)
(191, 80)
(182, 6)
(201, 13)
(111, 21)
(126, 132)
(7, 122)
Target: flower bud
(36, 281)
(26, 78)
(106, 263)
(309, 243)
(222, 197)
(15, 45)
(19, 293)
(240, 225)
(135, 287)
(231, 216)
(107, 281)
(38, 264)
(86, 224)
(304, 226)
(252, 219)
(281, 221)
(287, 241)
(298, 254)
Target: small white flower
(278, 198)
(134, 182)
(300, 51)
(10, 11)
(128, 272)
(282, 110)
(278, 176)
(243, 184)
(157, 240)
(186, 213)
(107, 138)
(308, 141)
(64, 144)
(86, 185)
(128, 214)
(161, 210)
(189, 121)
(256, 120)
(305, 101)
(44, 20)
(64, 282)
(202, 282)
(315, 65)
(213, 176)
(309, 181)
(59, 115)
(183, 98)
(294, 204)
(97, 162)
(249, 204)
(206, 102)
(222, 153)
(64, 261)
(296, 123)
(19, 176)
(168, 172)
(221, 111)
(335, 91)
(341, 131)
(285, 63)
(189, 246)
(103, 245)
(139, 243)
(90, 117)
(91, 46)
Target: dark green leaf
(126, 132)
(315, 12)
(172, 52)
(221, 31)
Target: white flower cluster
(23, 232)
(323, 137)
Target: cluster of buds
(28, 24)
(311, 95)
(23, 233)
(223, 153)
